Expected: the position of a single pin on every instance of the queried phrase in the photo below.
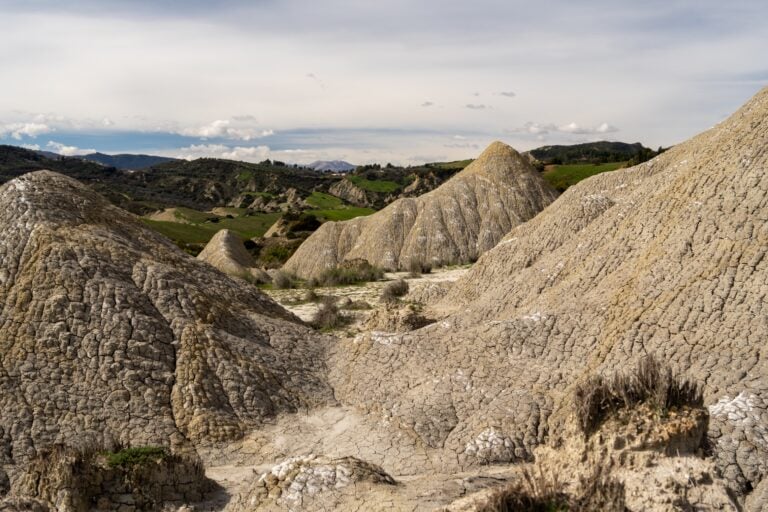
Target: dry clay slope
(454, 223)
(668, 257)
(109, 333)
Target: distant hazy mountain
(592, 152)
(49, 154)
(130, 162)
(332, 166)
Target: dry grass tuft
(394, 290)
(651, 383)
(542, 492)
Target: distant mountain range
(127, 161)
(332, 166)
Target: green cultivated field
(324, 201)
(563, 176)
(345, 213)
(200, 232)
(381, 186)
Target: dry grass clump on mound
(651, 383)
(539, 492)
(329, 316)
(394, 290)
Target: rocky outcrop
(67, 480)
(226, 252)
(454, 223)
(639, 458)
(667, 257)
(298, 480)
(111, 335)
(396, 317)
(350, 193)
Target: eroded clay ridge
(109, 333)
(454, 223)
(667, 257)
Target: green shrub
(275, 255)
(136, 456)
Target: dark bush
(651, 383)
(394, 290)
(306, 222)
(275, 255)
(417, 268)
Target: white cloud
(570, 128)
(31, 147)
(248, 154)
(577, 129)
(606, 128)
(692, 62)
(226, 129)
(65, 150)
(19, 130)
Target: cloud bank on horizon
(371, 81)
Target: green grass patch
(323, 201)
(136, 456)
(183, 233)
(380, 186)
(265, 195)
(190, 215)
(249, 226)
(245, 175)
(345, 213)
(563, 176)
(229, 210)
(449, 166)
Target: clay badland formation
(111, 336)
(454, 223)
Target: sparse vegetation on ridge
(542, 492)
(349, 272)
(651, 383)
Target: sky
(398, 81)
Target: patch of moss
(136, 456)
